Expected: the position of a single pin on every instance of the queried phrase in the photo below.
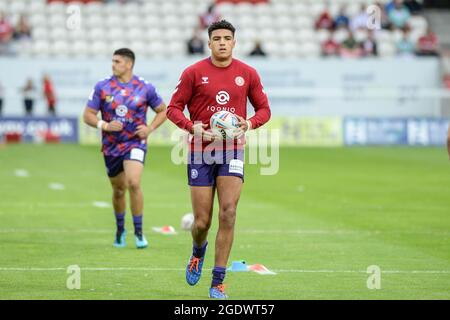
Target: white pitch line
(22, 173)
(246, 231)
(209, 269)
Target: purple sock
(199, 251)
(218, 276)
(120, 221)
(137, 221)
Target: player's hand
(143, 131)
(199, 130)
(244, 126)
(114, 126)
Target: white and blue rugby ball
(224, 123)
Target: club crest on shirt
(121, 110)
(109, 99)
(239, 81)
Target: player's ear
(209, 43)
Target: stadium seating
(159, 27)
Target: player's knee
(119, 192)
(134, 184)
(202, 225)
(227, 216)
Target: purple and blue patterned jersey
(127, 103)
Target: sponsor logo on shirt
(121, 110)
(239, 81)
(222, 97)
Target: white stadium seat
(57, 21)
(80, 48)
(289, 50)
(38, 20)
(59, 33)
(56, 8)
(309, 50)
(97, 34)
(170, 23)
(386, 49)
(93, 20)
(59, 48)
(94, 8)
(323, 35)
(360, 35)
(99, 48)
(340, 35)
(115, 34)
(140, 48)
(40, 48)
(113, 9)
(39, 33)
(418, 23)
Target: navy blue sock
(120, 221)
(199, 251)
(137, 221)
(218, 276)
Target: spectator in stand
(6, 33)
(413, 6)
(350, 48)
(330, 48)
(257, 50)
(196, 45)
(447, 81)
(49, 93)
(359, 21)
(399, 15)
(385, 23)
(405, 47)
(29, 94)
(210, 16)
(341, 19)
(428, 44)
(22, 30)
(389, 6)
(325, 21)
(369, 46)
(21, 35)
(1, 99)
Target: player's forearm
(177, 117)
(262, 115)
(448, 143)
(157, 121)
(90, 118)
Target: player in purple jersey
(448, 142)
(123, 100)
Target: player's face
(222, 44)
(120, 65)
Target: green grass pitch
(319, 223)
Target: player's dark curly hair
(125, 52)
(222, 24)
